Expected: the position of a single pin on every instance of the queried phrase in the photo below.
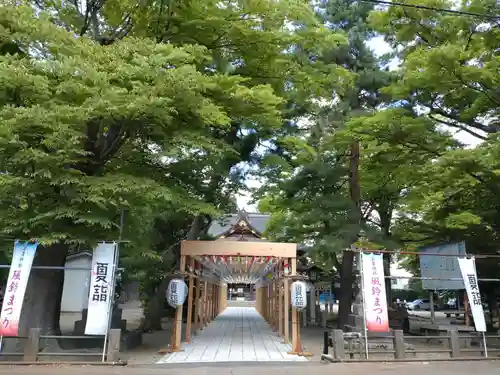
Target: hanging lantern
(176, 292)
(299, 295)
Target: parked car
(451, 304)
(420, 304)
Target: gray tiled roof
(222, 225)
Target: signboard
(17, 281)
(442, 267)
(375, 301)
(468, 271)
(102, 285)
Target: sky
(380, 47)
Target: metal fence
(339, 346)
(29, 349)
(66, 347)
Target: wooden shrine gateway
(238, 255)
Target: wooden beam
(274, 249)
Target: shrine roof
(257, 221)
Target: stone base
(131, 340)
(116, 322)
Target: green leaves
(80, 123)
(448, 65)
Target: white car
(420, 304)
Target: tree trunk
(491, 297)
(42, 302)
(388, 282)
(346, 274)
(346, 291)
(385, 213)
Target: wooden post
(280, 309)
(212, 302)
(277, 304)
(215, 299)
(222, 298)
(204, 305)
(209, 303)
(286, 306)
(113, 350)
(273, 305)
(296, 347)
(258, 300)
(32, 345)
(189, 321)
(178, 315)
(197, 311)
(269, 303)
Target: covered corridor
(238, 334)
(269, 331)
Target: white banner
(468, 269)
(374, 296)
(20, 268)
(101, 289)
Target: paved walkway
(422, 368)
(239, 334)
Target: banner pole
(485, 346)
(116, 261)
(111, 302)
(363, 302)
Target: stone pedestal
(116, 321)
(357, 317)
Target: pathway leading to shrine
(239, 334)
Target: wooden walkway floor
(239, 334)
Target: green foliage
(449, 75)
(450, 63)
(80, 122)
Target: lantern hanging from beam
(299, 295)
(176, 292)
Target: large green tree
(324, 179)
(449, 74)
(450, 63)
(81, 124)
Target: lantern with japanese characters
(299, 295)
(176, 292)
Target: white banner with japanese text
(17, 281)
(468, 269)
(375, 302)
(101, 289)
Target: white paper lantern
(176, 292)
(299, 294)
